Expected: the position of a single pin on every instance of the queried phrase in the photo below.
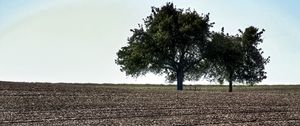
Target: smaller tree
(253, 69)
(236, 58)
(224, 58)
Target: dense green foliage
(171, 42)
(179, 44)
(237, 58)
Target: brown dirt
(66, 104)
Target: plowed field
(74, 104)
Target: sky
(77, 40)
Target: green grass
(172, 87)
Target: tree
(237, 58)
(172, 41)
(224, 58)
(253, 69)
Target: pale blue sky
(77, 40)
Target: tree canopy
(237, 58)
(172, 42)
(179, 44)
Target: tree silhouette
(172, 41)
(237, 58)
(178, 43)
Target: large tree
(171, 41)
(237, 58)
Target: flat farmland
(109, 104)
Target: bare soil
(88, 104)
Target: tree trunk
(230, 85)
(180, 77)
(230, 82)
